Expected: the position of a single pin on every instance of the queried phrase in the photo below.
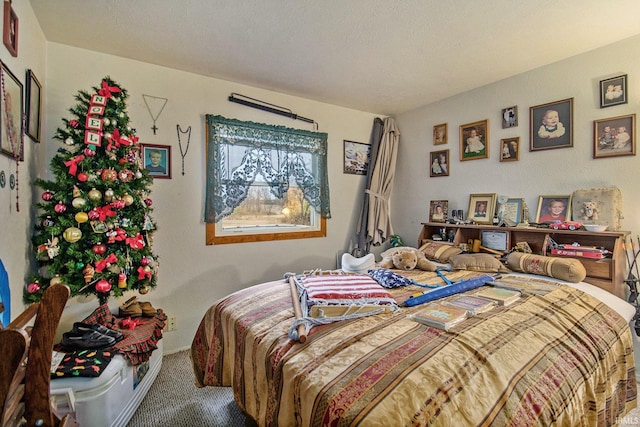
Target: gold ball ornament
(82, 217)
(128, 199)
(144, 290)
(72, 234)
(95, 195)
(78, 202)
(55, 280)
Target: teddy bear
(589, 210)
(405, 258)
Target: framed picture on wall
(551, 125)
(614, 137)
(553, 209)
(33, 107)
(510, 117)
(356, 157)
(440, 134)
(11, 116)
(438, 210)
(439, 163)
(613, 91)
(157, 160)
(510, 149)
(474, 140)
(10, 29)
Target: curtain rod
(271, 108)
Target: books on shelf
(500, 295)
(472, 303)
(439, 315)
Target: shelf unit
(608, 273)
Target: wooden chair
(25, 364)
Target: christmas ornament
(122, 280)
(33, 287)
(88, 272)
(60, 208)
(144, 261)
(94, 195)
(47, 222)
(78, 202)
(82, 217)
(109, 175)
(144, 290)
(148, 202)
(72, 234)
(52, 247)
(69, 141)
(99, 248)
(125, 175)
(103, 286)
(128, 199)
(74, 123)
(55, 280)
(118, 204)
(47, 195)
(76, 191)
(108, 195)
(82, 177)
(93, 214)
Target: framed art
(481, 207)
(553, 209)
(512, 211)
(615, 136)
(438, 210)
(157, 160)
(510, 117)
(356, 157)
(33, 107)
(496, 240)
(551, 125)
(440, 134)
(474, 139)
(439, 163)
(613, 91)
(510, 149)
(10, 29)
(11, 116)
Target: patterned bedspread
(557, 356)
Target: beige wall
(549, 172)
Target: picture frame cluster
(551, 126)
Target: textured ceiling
(380, 56)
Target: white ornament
(107, 135)
(121, 115)
(114, 123)
(106, 121)
(129, 128)
(69, 141)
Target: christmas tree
(93, 231)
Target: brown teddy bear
(405, 258)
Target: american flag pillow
(346, 289)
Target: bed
(560, 355)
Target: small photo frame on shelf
(551, 125)
(438, 210)
(33, 107)
(440, 134)
(510, 149)
(512, 211)
(474, 140)
(356, 157)
(615, 136)
(613, 91)
(11, 116)
(10, 29)
(510, 117)
(157, 160)
(552, 209)
(482, 207)
(496, 240)
(439, 163)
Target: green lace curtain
(239, 151)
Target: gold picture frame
(510, 149)
(474, 140)
(438, 210)
(440, 134)
(614, 137)
(482, 208)
(548, 213)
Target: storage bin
(111, 399)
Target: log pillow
(569, 269)
(440, 252)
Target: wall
(192, 276)
(548, 172)
(15, 226)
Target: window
(264, 182)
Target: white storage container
(111, 399)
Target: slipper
(147, 309)
(130, 308)
(80, 327)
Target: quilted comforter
(557, 356)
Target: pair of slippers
(86, 336)
(134, 308)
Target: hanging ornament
(144, 261)
(93, 214)
(78, 202)
(74, 123)
(55, 280)
(72, 234)
(82, 177)
(108, 195)
(106, 121)
(88, 272)
(118, 204)
(76, 191)
(128, 199)
(60, 208)
(33, 287)
(99, 248)
(52, 247)
(109, 175)
(144, 290)
(81, 217)
(94, 195)
(47, 222)
(47, 195)
(122, 281)
(90, 151)
(148, 202)
(68, 141)
(103, 286)
(125, 175)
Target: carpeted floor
(174, 400)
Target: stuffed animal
(405, 258)
(589, 210)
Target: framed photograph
(614, 137)
(157, 160)
(551, 125)
(553, 209)
(33, 107)
(496, 240)
(510, 149)
(481, 208)
(10, 29)
(474, 138)
(440, 134)
(356, 157)
(439, 163)
(510, 117)
(512, 211)
(11, 116)
(438, 210)
(613, 91)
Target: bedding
(557, 356)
